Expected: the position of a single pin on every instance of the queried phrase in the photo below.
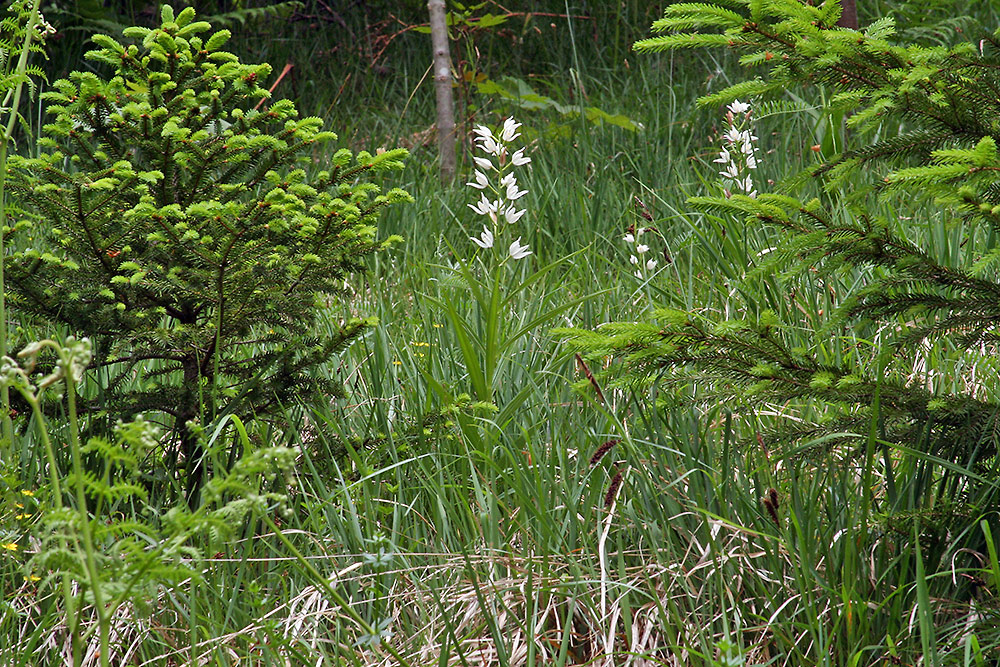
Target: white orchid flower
(483, 132)
(486, 207)
(732, 171)
(485, 240)
(481, 181)
(738, 107)
(490, 145)
(509, 132)
(512, 215)
(513, 193)
(518, 251)
(723, 157)
(484, 163)
(518, 159)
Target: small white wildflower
(481, 181)
(484, 163)
(483, 132)
(486, 239)
(738, 107)
(482, 207)
(518, 159)
(486, 207)
(650, 264)
(732, 135)
(642, 249)
(509, 132)
(491, 146)
(751, 162)
(513, 193)
(633, 259)
(512, 215)
(628, 238)
(724, 157)
(507, 181)
(518, 251)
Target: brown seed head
(609, 497)
(602, 450)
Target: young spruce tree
(947, 99)
(188, 233)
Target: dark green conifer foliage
(195, 238)
(948, 101)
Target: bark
(848, 14)
(442, 87)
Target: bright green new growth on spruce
(911, 296)
(190, 235)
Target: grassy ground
(499, 540)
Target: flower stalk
(738, 156)
(639, 249)
(494, 177)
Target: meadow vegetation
(695, 364)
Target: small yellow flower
(438, 326)
(19, 506)
(27, 492)
(22, 516)
(9, 546)
(418, 343)
(397, 362)
(32, 577)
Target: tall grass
(522, 550)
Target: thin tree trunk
(848, 14)
(442, 86)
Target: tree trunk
(848, 14)
(442, 86)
